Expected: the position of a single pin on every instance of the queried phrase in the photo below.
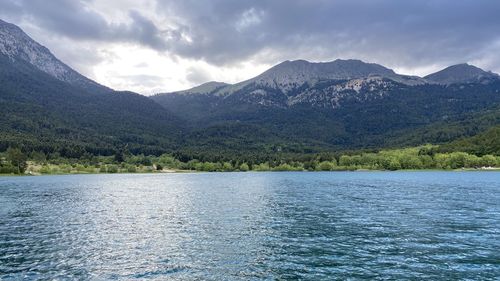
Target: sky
(153, 46)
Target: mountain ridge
(17, 45)
(320, 84)
(48, 106)
(461, 73)
(378, 71)
(332, 113)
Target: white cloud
(148, 72)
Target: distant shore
(424, 158)
(177, 171)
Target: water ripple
(251, 226)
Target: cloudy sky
(151, 46)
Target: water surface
(241, 226)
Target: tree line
(15, 161)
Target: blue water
(241, 226)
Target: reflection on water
(251, 226)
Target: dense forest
(44, 114)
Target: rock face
(19, 47)
(289, 75)
(461, 73)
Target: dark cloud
(142, 30)
(404, 32)
(407, 34)
(74, 19)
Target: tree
(442, 161)
(427, 161)
(345, 160)
(472, 161)
(38, 157)
(262, 167)
(488, 160)
(226, 166)
(410, 162)
(119, 156)
(244, 167)
(208, 167)
(458, 159)
(391, 163)
(325, 166)
(18, 159)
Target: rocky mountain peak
(19, 47)
(337, 69)
(460, 73)
(288, 76)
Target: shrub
(325, 166)
(112, 169)
(244, 167)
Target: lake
(241, 226)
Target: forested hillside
(295, 110)
(42, 113)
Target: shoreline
(270, 171)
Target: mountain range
(294, 107)
(327, 84)
(344, 104)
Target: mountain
(17, 46)
(290, 74)
(461, 73)
(205, 88)
(48, 106)
(320, 85)
(292, 83)
(294, 108)
(345, 104)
